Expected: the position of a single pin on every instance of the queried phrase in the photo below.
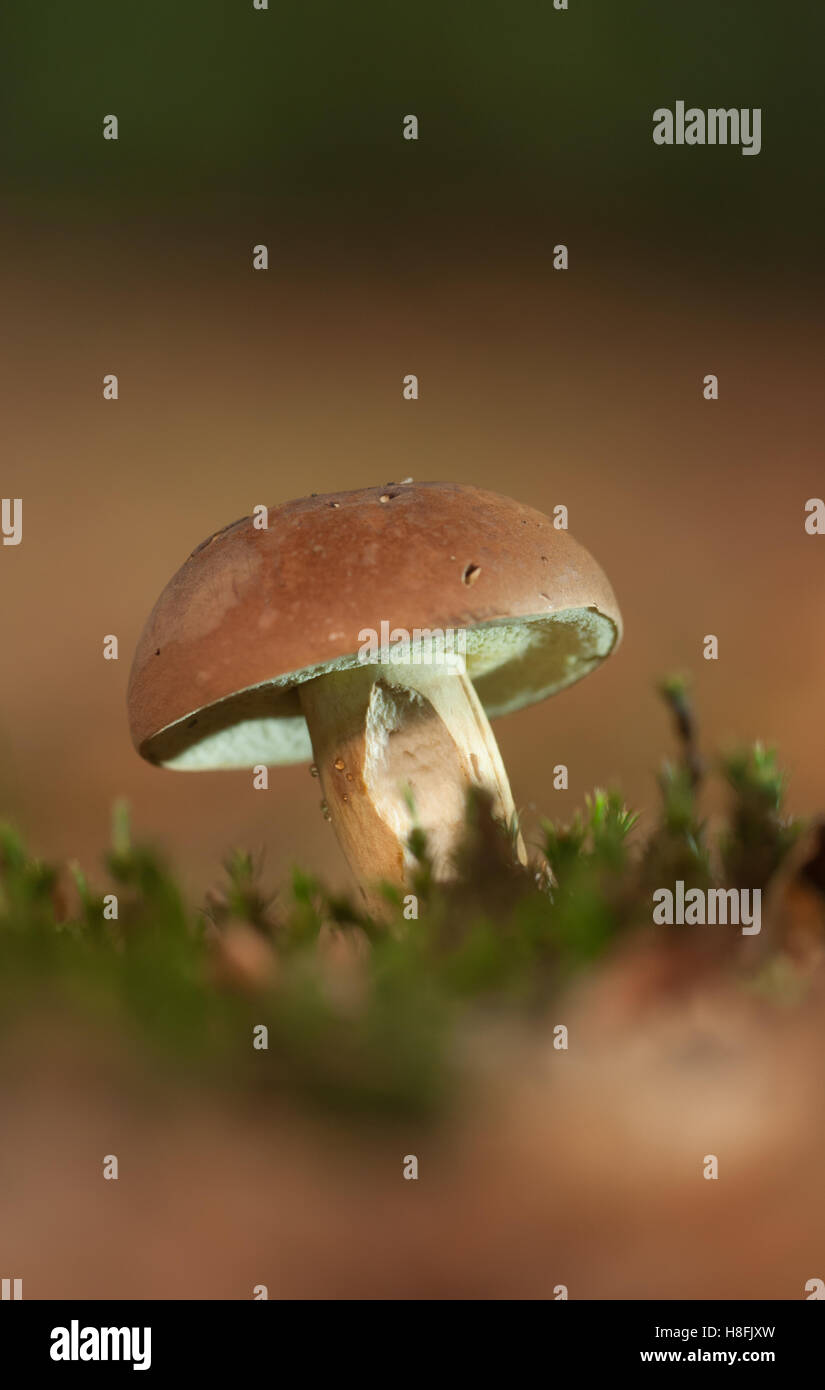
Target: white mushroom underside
(511, 664)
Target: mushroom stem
(397, 747)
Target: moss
(361, 1014)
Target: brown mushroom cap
(254, 612)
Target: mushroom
(375, 633)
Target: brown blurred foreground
(581, 1168)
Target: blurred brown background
(387, 257)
